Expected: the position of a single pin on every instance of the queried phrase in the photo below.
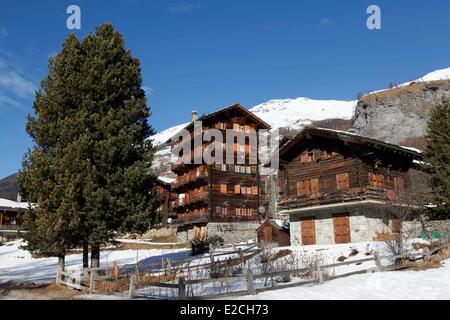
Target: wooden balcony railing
(338, 196)
(10, 227)
(198, 173)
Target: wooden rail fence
(86, 279)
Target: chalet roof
(348, 137)
(10, 205)
(277, 224)
(237, 106)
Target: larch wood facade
(330, 181)
(220, 192)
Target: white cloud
(148, 91)
(13, 81)
(185, 7)
(4, 100)
(326, 21)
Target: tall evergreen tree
(46, 175)
(437, 158)
(90, 167)
(116, 158)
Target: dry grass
(32, 291)
(434, 263)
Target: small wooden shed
(274, 231)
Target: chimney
(194, 115)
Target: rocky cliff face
(399, 115)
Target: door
(308, 227)
(341, 228)
(267, 234)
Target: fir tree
(45, 179)
(437, 158)
(90, 128)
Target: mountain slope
(9, 188)
(400, 115)
(296, 113)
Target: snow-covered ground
(431, 284)
(18, 265)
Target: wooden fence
(181, 285)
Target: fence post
(132, 292)
(377, 259)
(116, 270)
(319, 272)
(181, 289)
(250, 283)
(211, 256)
(427, 256)
(241, 255)
(92, 282)
(58, 275)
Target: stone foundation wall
(230, 232)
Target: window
(307, 157)
(223, 188)
(248, 128)
(248, 170)
(328, 154)
(307, 187)
(218, 210)
(237, 189)
(376, 179)
(255, 191)
(342, 181)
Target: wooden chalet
(219, 192)
(10, 223)
(334, 184)
(274, 231)
(166, 198)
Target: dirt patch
(434, 263)
(33, 291)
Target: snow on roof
(412, 149)
(167, 180)
(5, 203)
(280, 223)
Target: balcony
(338, 196)
(192, 217)
(192, 179)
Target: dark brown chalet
(166, 197)
(219, 192)
(332, 184)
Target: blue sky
(207, 54)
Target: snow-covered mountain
(441, 74)
(287, 113)
(296, 113)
